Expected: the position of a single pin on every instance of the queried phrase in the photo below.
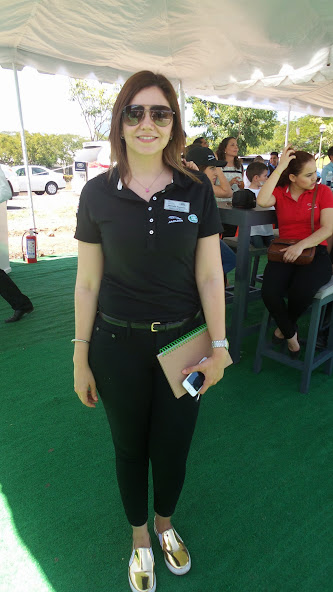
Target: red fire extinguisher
(29, 253)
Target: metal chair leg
(328, 366)
(261, 341)
(254, 270)
(310, 346)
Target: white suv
(42, 179)
(11, 178)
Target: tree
(249, 126)
(303, 135)
(96, 103)
(43, 149)
(10, 149)
(68, 145)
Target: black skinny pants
(297, 283)
(10, 292)
(147, 422)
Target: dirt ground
(55, 217)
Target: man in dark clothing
(273, 162)
(201, 142)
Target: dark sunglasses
(159, 114)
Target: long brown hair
(172, 152)
(295, 167)
(220, 152)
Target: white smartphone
(193, 382)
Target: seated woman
(290, 188)
(232, 165)
(261, 234)
(233, 170)
(206, 162)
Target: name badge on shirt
(176, 206)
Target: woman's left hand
(212, 368)
(291, 253)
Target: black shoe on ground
(18, 314)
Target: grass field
(256, 508)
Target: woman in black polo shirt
(148, 260)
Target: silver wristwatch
(222, 343)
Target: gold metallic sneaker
(176, 556)
(141, 575)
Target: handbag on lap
(274, 252)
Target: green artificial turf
(256, 509)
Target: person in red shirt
(290, 189)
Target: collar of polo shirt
(286, 191)
(178, 179)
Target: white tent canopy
(308, 89)
(272, 54)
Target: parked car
(12, 179)
(42, 179)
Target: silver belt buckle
(152, 326)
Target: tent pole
(24, 146)
(182, 103)
(287, 128)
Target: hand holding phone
(193, 382)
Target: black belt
(155, 326)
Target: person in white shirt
(233, 170)
(262, 234)
(328, 168)
(247, 183)
(19, 302)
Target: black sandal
(294, 354)
(277, 340)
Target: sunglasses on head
(159, 114)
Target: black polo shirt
(149, 247)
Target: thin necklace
(147, 189)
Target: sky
(46, 106)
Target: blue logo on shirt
(193, 218)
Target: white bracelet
(82, 340)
